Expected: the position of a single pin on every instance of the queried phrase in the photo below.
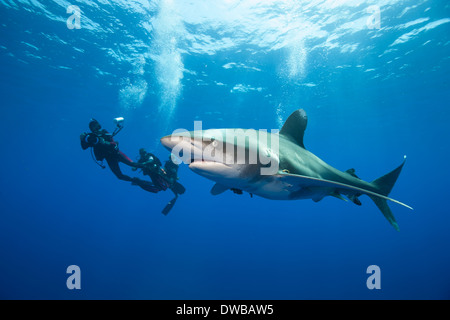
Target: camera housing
(91, 139)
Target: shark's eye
(213, 141)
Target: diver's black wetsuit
(105, 148)
(151, 166)
(163, 178)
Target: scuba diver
(162, 178)
(103, 147)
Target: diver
(162, 178)
(103, 147)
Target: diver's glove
(139, 165)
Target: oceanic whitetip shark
(284, 170)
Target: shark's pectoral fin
(218, 189)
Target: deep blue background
(58, 208)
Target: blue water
(373, 93)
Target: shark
(284, 169)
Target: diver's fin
(169, 206)
(178, 188)
(352, 172)
(295, 126)
(218, 189)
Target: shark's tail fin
(384, 186)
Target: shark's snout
(183, 147)
(170, 141)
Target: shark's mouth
(197, 153)
(207, 162)
(210, 169)
(199, 157)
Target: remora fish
(299, 174)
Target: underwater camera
(91, 139)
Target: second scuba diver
(162, 178)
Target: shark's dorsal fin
(218, 189)
(295, 126)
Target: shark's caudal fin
(384, 186)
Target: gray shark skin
(298, 173)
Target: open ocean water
(373, 77)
